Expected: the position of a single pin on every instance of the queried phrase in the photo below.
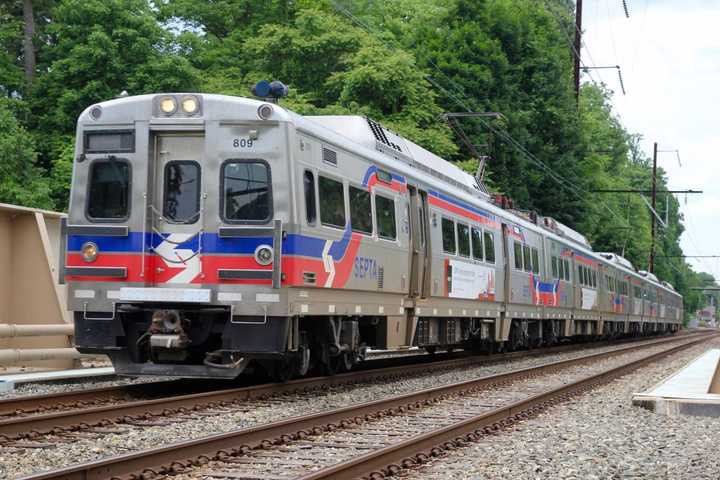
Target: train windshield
(108, 194)
(246, 191)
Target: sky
(669, 55)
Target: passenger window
(518, 256)
(566, 262)
(385, 216)
(109, 191)
(527, 262)
(182, 191)
(535, 261)
(477, 245)
(554, 267)
(332, 202)
(309, 187)
(489, 241)
(360, 210)
(463, 233)
(594, 278)
(448, 236)
(246, 191)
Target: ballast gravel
(599, 435)
(20, 462)
(77, 384)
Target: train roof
(373, 135)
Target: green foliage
(21, 182)
(97, 49)
(422, 58)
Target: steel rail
(174, 458)
(390, 460)
(35, 426)
(44, 403)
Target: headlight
(190, 105)
(264, 255)
(168, 105)
(89, 251)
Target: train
(210, 236)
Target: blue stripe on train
(294, 244)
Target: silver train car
(210, 235)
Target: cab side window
(309, 190)
(448, 236)
(477, 244)
(385, 217)
(360, 210)
(332, 202)
(489, 241)
(518, 254)
(463, 236)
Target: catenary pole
(652, 217)
(578, 46)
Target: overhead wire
(462, 101)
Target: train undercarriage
(149, 339)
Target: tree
(98, 48)
(21, 181)
(28, 37)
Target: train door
(176, 213)
(420, 260)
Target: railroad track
(382, 436)
(24, 421)
(24, 406)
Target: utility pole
(578, 46)
(652, 217)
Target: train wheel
(284, 369)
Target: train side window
(385, 216)
(360, 210)
(477, 244)
(463, 235)
(181, 202)
(109, 190)
(581, 275)
(527, 262)
(489, 241)
(517, 250)
(448, 236)
(554, 267)
(566, 262)
(535, 261)
(309, 189)
(332, 202)
(246, 191)
(594, 278)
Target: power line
(503, 134)
(630, 190)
